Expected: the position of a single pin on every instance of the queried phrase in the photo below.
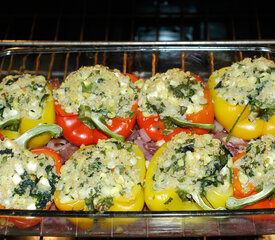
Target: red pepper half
(78, 133)
(239, 192)
(154, 126)
(241, 196)
(22, 222)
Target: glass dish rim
(209, 46)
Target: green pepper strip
(106, 130)
(181, 123)
(235, 123)
(9, 122)
(197, 198)
(53, 129)
(235, 203)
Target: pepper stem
(13, 121)
(235, 203)
(106, 130)
(52, 129)
(197, 198)
(182, 123)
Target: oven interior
(143, 20)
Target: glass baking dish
(143, 59)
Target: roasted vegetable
(28, 178)
(254, 175)
(96, 103)
(173, 102)
(25, 101)
(243, 96)
(103, 177)
(190, 172)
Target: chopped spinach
(27, 183)
(155, 108)
(43, 99)
(100, 80)
(168, 123)
(168, 201)
(185, 148)
(42, 199)
(184, 196)
(118, 144)
(121, 169)
(7, 151)
(95, 166)
(183, 110)
(90, 203)
(219, 85)
(166, 132)
(12, 81)
(266, 113)
(102, 205)
(214, 180)
(30, 182)
(87, 88)
(174, 167)
(177, 91)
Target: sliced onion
(133, 136)
(141, 145)
(144, 135)
(57, 143)
(63, 147)
(218, 127)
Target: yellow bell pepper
(135, 202)
(227, 115)
(26, 124)
(170, 199)
(78, 205)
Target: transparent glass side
(142, 61)
(146, 224)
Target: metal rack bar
(38, 43)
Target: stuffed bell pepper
(96, 103)
(173, 102)
(25, 101)
(244, 99)
(103, 177)
(253, 175)
(190, 172)
(28, 178)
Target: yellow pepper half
(169, 199)
(134, 203)
(78, 205)
(28, 123)
(226, 114)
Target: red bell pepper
(22, 222)
(200, 122)
(76, 132)
(133, 77)
(249, 198)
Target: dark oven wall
(136, 20)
